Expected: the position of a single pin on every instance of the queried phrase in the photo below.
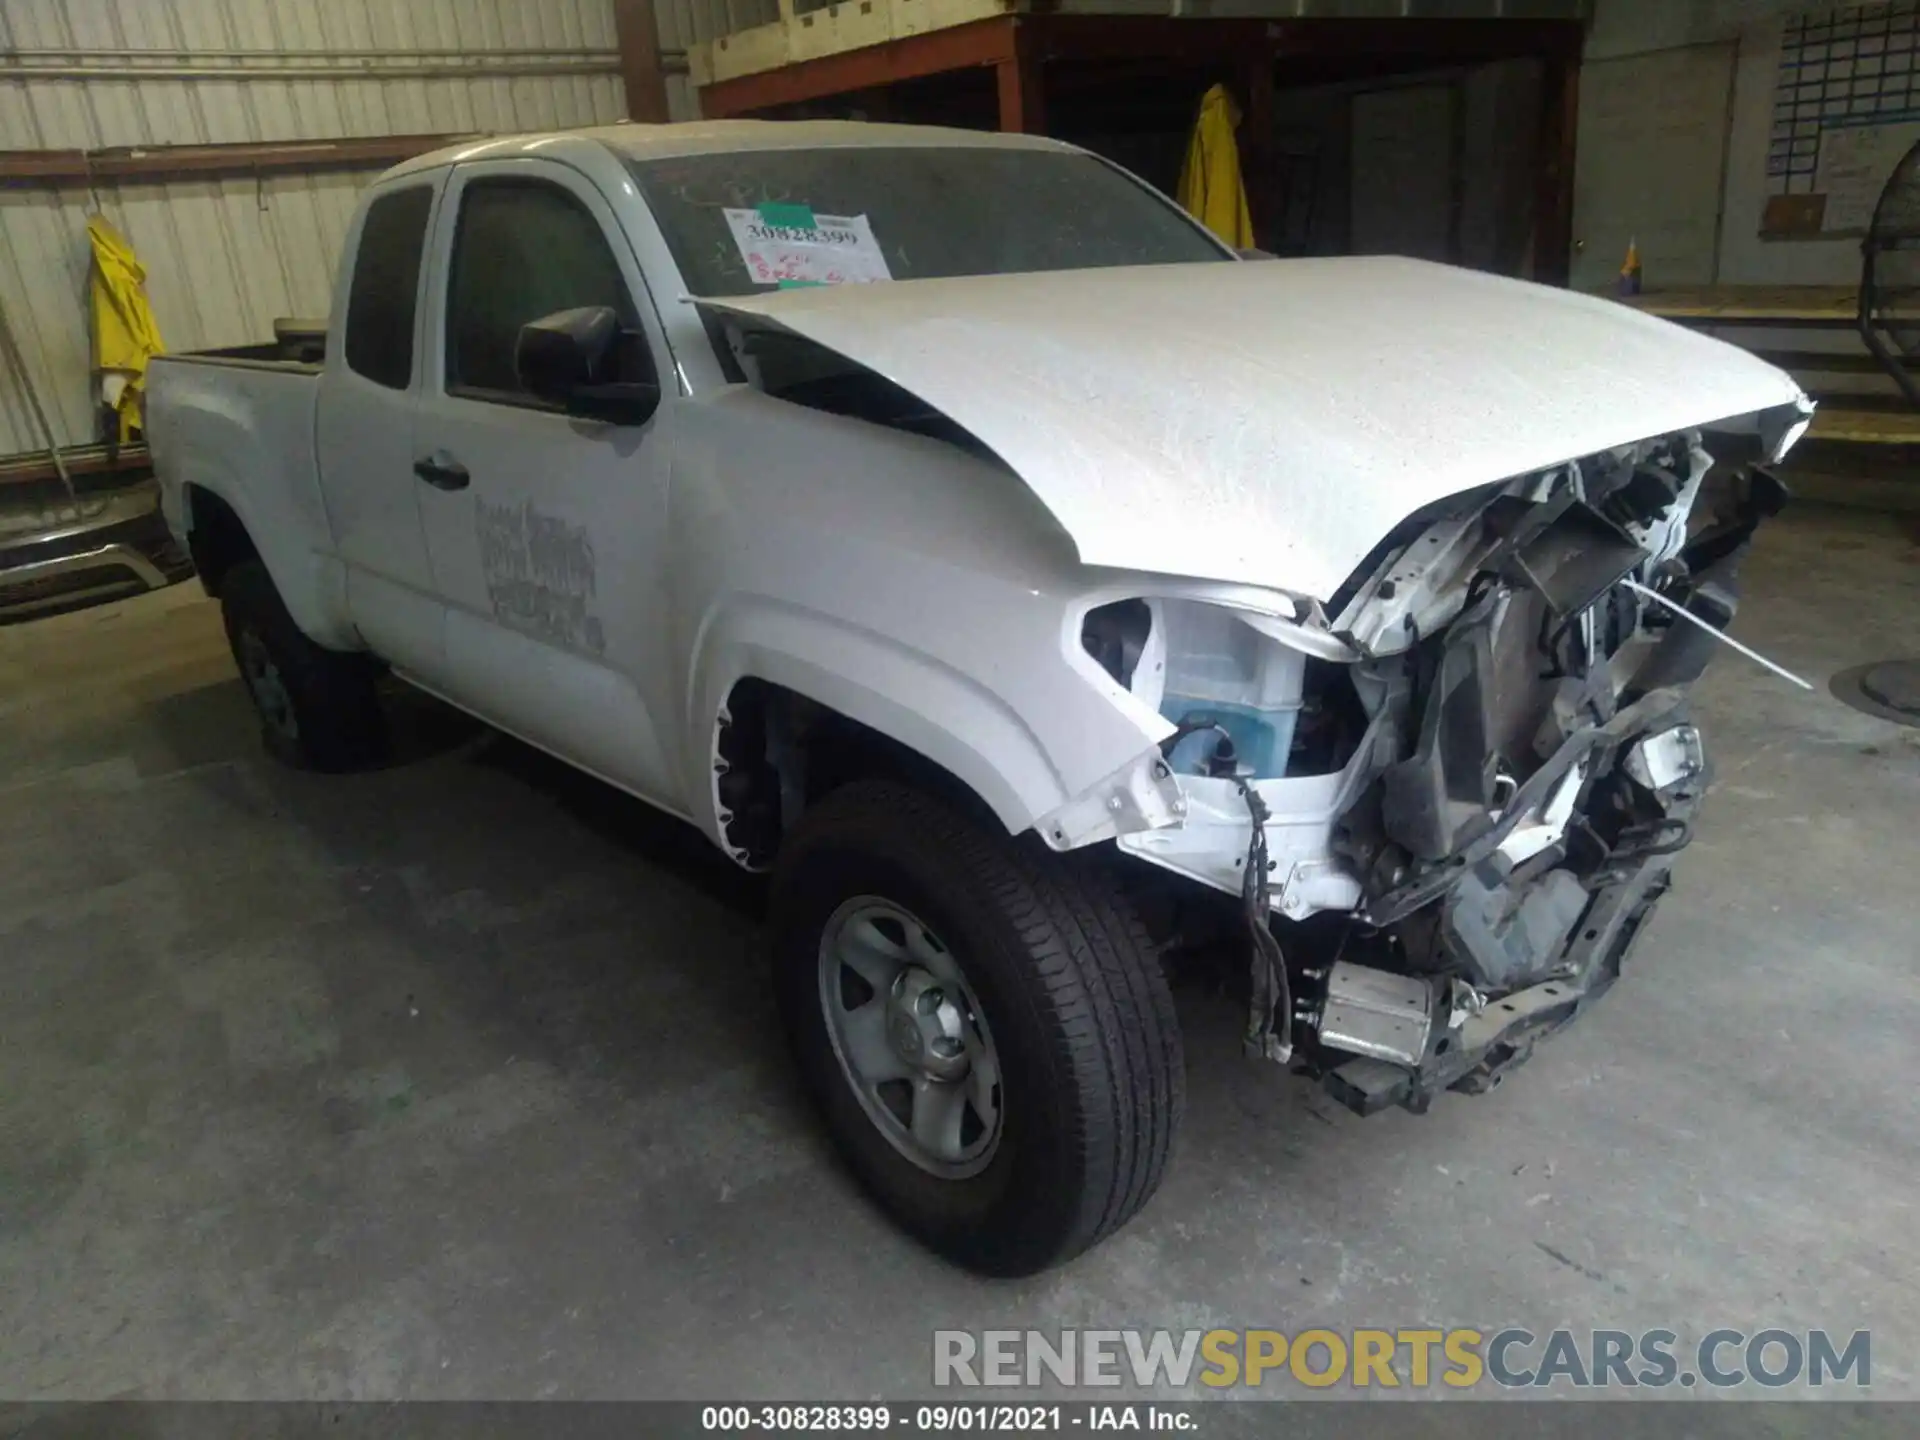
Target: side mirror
(572, 359)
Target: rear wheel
(318, 708)
(984, 1025)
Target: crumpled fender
(931, 708)
(899, 581)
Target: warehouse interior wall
(1744, 257)
(683, 23)
(227, 255)
(1674, 94)
(1439, 165)
(1674, 133)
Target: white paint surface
(1210, 433)
(1269, 423)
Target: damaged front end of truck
(1445, 775)
(1487, 768)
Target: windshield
(743, 222)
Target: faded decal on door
(539, 573)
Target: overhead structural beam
(154, 163)
(959, 47)
(33, 55)
(640, 68)
(399, 68)
(1439, 41)
(1043, 38)
(1023, 109)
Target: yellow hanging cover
(1210, 187)
(125, 336)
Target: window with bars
(1840, 67)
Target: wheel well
(777, 752)
(216, 537)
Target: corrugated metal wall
(224, 257)
(683, 22)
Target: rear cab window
(385, 289)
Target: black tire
(1067, 979)
(330, 719)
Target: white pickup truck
(947, 523)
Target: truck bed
(296, 344)
(241, 422)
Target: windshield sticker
(791, 217)
(789, 246)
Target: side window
(386, 287)
(524, 250)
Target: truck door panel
(543, 529)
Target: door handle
(442, 471)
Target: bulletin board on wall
(1846, 108)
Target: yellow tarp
(125, 336)
(1210, 187)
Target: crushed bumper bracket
(1478, 1053)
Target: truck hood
(1268, 423)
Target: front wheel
(984, 1025)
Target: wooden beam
(172, 162)
(646, 83)
(82, 462)
(1865, 427)
(1553, 196)
(1023, 106)
(1767, 306)
(961, 47)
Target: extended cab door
(364, 430)
(544, 530)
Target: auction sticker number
(789, 245)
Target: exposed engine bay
(1449, 798)
(1446, 790)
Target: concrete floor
(460, 1079)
